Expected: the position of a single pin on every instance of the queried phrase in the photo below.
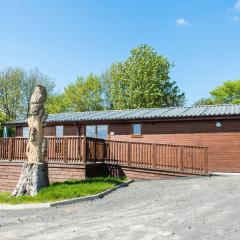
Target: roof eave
(182, 118)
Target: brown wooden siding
(50, 131)
(70, 130)
(223, 143)
(176, 127)
(19, 131)
(10, 172)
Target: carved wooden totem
(34, 174)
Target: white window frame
(25, 132)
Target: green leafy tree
(10, 92)
(142, 81)
(16, 88)
(204, 101)
(31, 79)
(228, 93)
(83, 95)
(56, 104)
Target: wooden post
(65, 149)
(84, 149)
(95, 150)
(107, 150)
(154, 155)
(181, 158)
(129, 153)
(206, 160)
(10, 149)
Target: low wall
(105, 169)
(10, 172)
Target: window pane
(59, 131)
(91, 131)
(102, 131)
(136, 128)
(26, 132)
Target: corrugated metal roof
(147, 113)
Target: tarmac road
(196, 208)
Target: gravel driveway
(196, 208)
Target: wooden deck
(167, 157)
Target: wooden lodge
(139, 143)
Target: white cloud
(236, 19)
(182, 22)
(237, 5)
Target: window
(97, 131)
(91, 131)
(26, 132)
(102, 131)
(59, 131)
(136, 129)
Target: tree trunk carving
(34, 174)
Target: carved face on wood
(32, 136)
(39, 95)
(37, 100)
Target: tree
(56, 104)
(143, 81)
(31, 79)
(16, 87)
(83, 95)
(10, 92)
(228, 93)
(204, 101)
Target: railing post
(95, 150)
(129, 153)
(84, 150)
(107, 150)
(181, 159)
(206, 160)
(65, 150)
(10, 148)
(154, 155)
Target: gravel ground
(196, 208)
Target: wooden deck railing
(178, 158)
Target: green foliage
(204, 101)
(228, 93)
(66, 190)
(56, 104)
(142, 81)
(83, 95)
(10, 92)
(31, 79)
(16, 87)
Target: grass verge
(65, 190)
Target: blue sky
(65, 39)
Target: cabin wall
(50, 131)
(223, 143)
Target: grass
(64, 190)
